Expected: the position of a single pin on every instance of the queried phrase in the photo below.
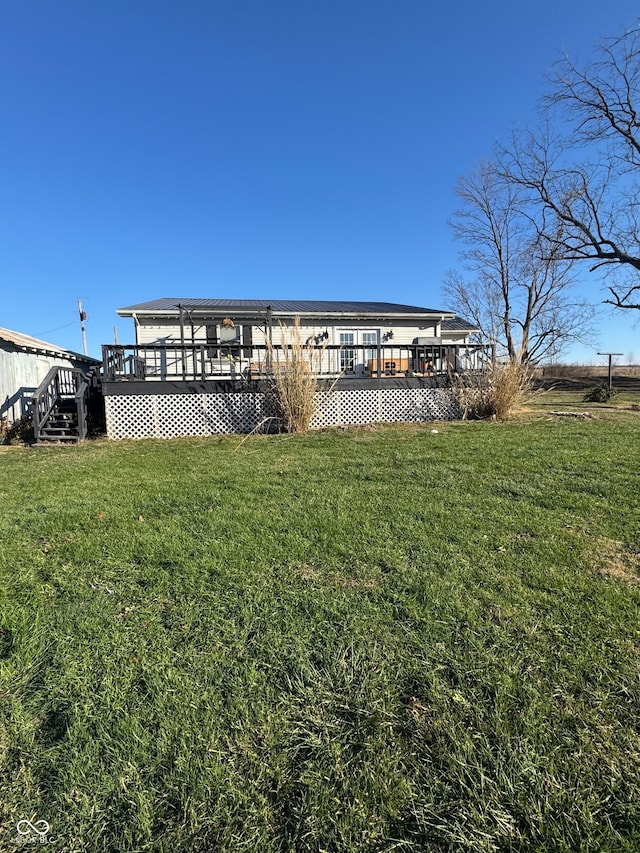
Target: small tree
(519, 295)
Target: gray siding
(404, 332)
(21, 373)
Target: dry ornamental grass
(499, 391)
(294, 382)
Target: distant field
(358, 640)
(590, 371)
(570, 384)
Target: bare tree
(518, 293)
(587, 178)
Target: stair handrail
(44, 399)
(49, 392)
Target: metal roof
(30, 344)
(278, 306)
(458, 325)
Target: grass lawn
(366, 640)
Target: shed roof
(27, 343)
(279, 306)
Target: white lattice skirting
(172, 415)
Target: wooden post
(181, 309)
(610, 354)
(83, 317)
(269, 330)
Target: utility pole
(610, 354)
(83, 317)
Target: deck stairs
(62, 406)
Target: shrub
(18, 432)
(599, 394)
(498, 391)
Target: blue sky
(254, 149)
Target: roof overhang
(262, 313)
(22, 343)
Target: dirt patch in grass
(359, 432)
(311, 574)
(615, 560)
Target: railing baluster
(193, 361)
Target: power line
(48, 331)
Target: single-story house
(24, 363)
(205, 338)
(202, 366)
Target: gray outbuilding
(24, 362)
